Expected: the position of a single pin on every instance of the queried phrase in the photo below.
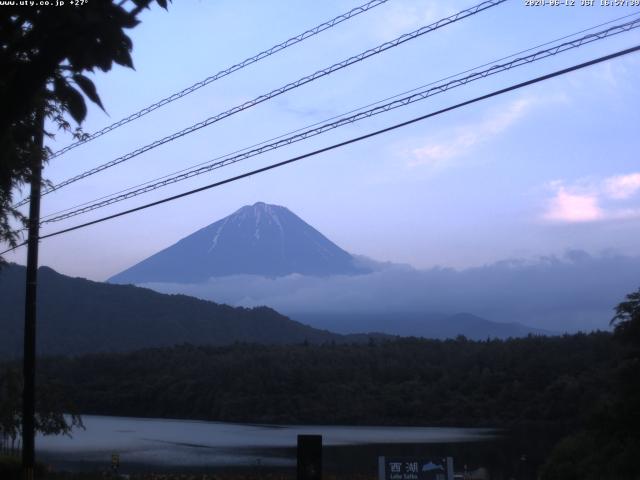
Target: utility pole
(29, 359)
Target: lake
(184, 445)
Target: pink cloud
(573, 208)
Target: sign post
(309, 457)
(115, 463)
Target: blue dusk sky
(534, 172)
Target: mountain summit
(259, 239)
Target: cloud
(593, 200)
(569, 292)
(623, 186)
(608, 74)
(471, 135)
(572, 208)
(608, 78)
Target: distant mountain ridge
(406, 324)
(259, 239)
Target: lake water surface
(160, 444)
(164, 442)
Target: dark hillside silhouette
(81, 316)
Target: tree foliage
(627, 321)
(45, 53)
(50, 404)
(608, 445)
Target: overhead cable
(355, 110)
(495, 93)
(279, 91)
(223, 73)
(401, 102)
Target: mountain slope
(78, 316)
(261, 239)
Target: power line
(279, 91)
(344, 143)
(414, 97)
(208, 162)
(223, 73)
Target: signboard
(412, 468)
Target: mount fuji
(259, 239)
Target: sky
(538, 171)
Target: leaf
(89, 89)
(129, 21)
(71, 98)
(77, 107)
(162, 3)
(103, 60)
(59, 85)
(122, 57)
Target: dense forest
(404, 382)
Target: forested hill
(535, 380)
(78, 316)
